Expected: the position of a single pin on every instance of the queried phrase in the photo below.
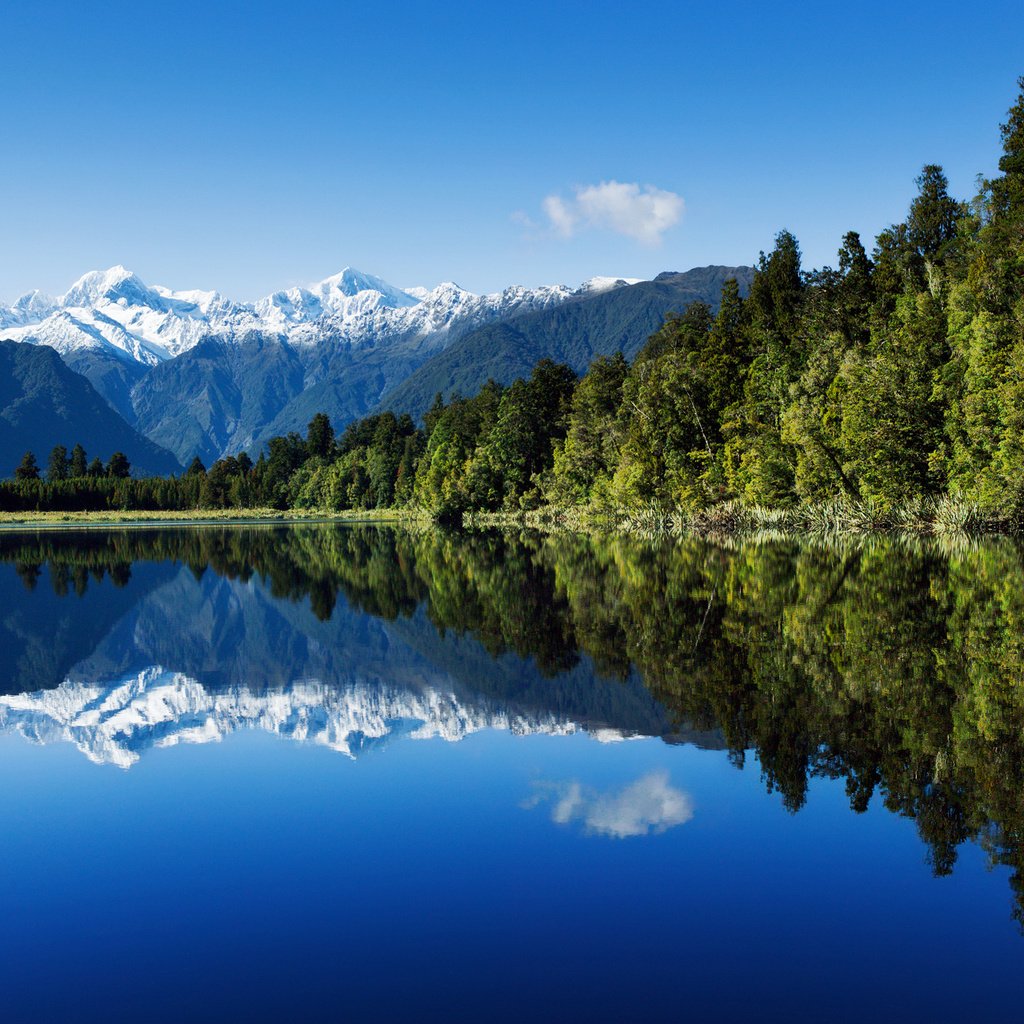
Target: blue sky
(250, 146)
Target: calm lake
(321, 772)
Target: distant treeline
(894, 378)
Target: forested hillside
(891, 380)
(41, 399)
(574, 333)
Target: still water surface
(317, 772)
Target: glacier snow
(114, 311)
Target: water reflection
(650, 805)
(118, 722)
(896, 669)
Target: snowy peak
(118, 284)
(445, 291)
(195, 302)
(595, 285)
(33, 304)
(345, 297)
(351, 282)
(115, 311)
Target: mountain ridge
(115, 310)
(199, 374)
(575, 333)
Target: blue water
(264, 876)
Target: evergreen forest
(892, 382)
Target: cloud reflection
(648, 806)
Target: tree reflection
(897, 668)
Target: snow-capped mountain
(116, 722)
(347, 296)
(115, 312)
(202, 375)
(605, 284)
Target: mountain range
(197, 373)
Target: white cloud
(649, 805)
(638, 211)
(562, 217)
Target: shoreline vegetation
(940, 518)
(886, 394)
(932, 517)
(197, 517)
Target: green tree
(760, 466)
(119, 467)
(320, 436)
(216, 488)
(405, 476)
(981, 385)
(584, 463)
(531, 419)
(1007, 191)
(891, 422)
(79, 465)
(442, 482)
(433, 414)
(836, 318)
(725, 354)
(58, 467)
(28, 468)
(669, 435)
(382, 458)
(856, 291)
(932, 220)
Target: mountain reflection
(115, 724)
(897, 668)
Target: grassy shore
(198, 517)
(946, 516)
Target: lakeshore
(944, 517)
(194, 517)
